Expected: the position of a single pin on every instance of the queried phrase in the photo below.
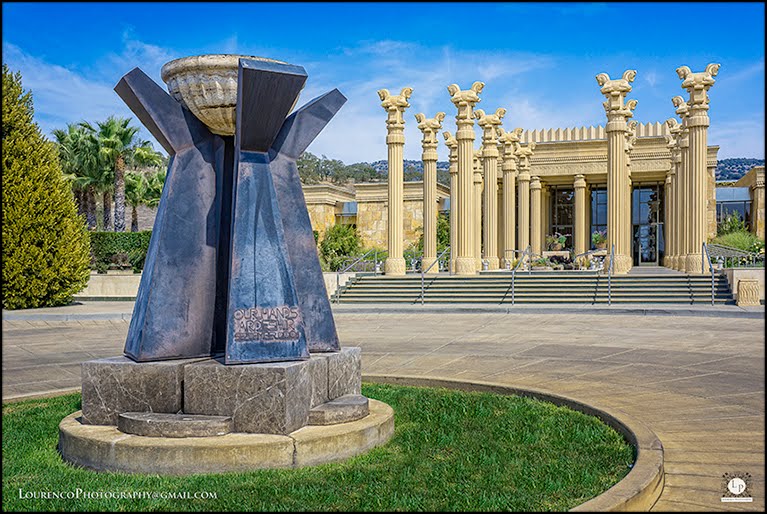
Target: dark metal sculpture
(232, 267)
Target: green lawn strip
(451, 450)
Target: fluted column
(395, 140)
(429, 128)
(507, 140)
(452, 145)
(697, 85)
(489, 156)
(477, 215)
(618, 184)
(580, 230)
(535, 215)
(523, 153)
(683, 180)
(465, 262)
(671, 199)
(630, 141)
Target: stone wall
(372, 218)
(322, 216)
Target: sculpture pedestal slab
(115, 385)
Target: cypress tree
(46, 248)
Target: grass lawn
(451, 450)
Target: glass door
(647, 217)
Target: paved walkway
(697, 380)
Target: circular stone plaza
(580, 266)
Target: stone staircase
(537, 287)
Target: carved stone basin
(207, 86)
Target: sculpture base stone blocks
(115, 385)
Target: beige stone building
(365, 205)
(754, 181)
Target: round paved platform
(105, 448)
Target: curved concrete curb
(638, 491)
(104, 448)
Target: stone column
(507, 140)
(757, 203)
(523, 153)
(672, 212)
(477, 214)
(452, 145)
(489, 156)
(618, 185)
(395, 140)
(535, 215)
(683, 179)
(697, 85)
(630, 141)
(465, 262)
(580, 230)
(429, 128)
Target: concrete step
(156, 424)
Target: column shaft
(580, 230)
(535, 216)
(523, 210)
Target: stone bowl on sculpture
(207, 86)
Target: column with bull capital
(618, 185)
(429, 127)
(506, 142)
(489, 156)
(683, 180)
(477, 210)
(697, 85)
(523, 153)
(465, 262)
(672, 213)
(452, 145)
(395, 141)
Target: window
(598, 211)
(348, 214)
(561, 212)
(733, 200)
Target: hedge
(119, 249)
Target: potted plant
(555, 242)
(599, 239)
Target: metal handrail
(528, 251)
(424, 271)
(340, 272)
(710, 267)
(610, 275)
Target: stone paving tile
(573, 352)
(738, 364)
(715, 384)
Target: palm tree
(135, 191)
(79, 155)
(116, 138)
(155, 182)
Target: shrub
(730, 224)
(45, 242)
(120, 249)
(340, 242)
(742, 240)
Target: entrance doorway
(647, 218)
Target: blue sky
(537, 60)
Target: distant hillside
(735, 168)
